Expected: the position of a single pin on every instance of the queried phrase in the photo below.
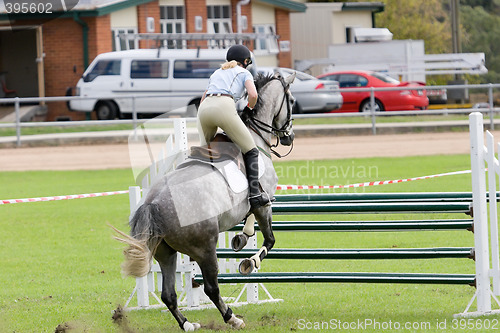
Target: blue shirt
(229, 81)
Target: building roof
(290, 5)
(375, 7)
(85, 8)
(80, 8)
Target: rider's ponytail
(229, 64)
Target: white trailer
(403, 59)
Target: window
(331, 78)
(195, 69)
(149, 69)
(266, 44)
(219, 12)
(385, 78)
(349, 35)
(172, 21)
(103, 67)
(219, 22)
(352, 81)
(120, 44)
(298, 75)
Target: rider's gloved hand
(248, 109)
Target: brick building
(43, 54)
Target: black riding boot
(256, 197)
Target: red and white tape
(375, 183)
(62, 197)
(280, 187)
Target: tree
(417, 19)
(481, 33)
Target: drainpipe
(238, 13)
(85, 46)
(85, 34)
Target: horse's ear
(290, 78)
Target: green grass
(59, 264)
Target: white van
(171, 80)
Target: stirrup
(260, 200)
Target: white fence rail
(491, 110)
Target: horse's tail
(145, 238)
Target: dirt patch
(63, 328)
(120, 319)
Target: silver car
(311, 94)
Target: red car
(395, 100)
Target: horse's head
(283, 117)
(272, 114)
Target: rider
(218, 110)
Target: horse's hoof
(190, 327)
(246, 266)
(239, 241)
(236, 323)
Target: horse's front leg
(264, 218)
(240, 240)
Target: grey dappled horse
(187, 209)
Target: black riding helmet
(240, 53)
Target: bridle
(259, 126)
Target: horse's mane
(260, 81)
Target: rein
(259, 126)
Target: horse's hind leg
(167, 258)
(209, 269)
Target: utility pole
(455, 26)
(458, 95)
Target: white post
(192, 299)
(142, 291)
(222, 245)
(495, 247)
(252, 288)
(134, 195)
(181, 140)
(480, 212)
(493, 169)
(141, 283)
